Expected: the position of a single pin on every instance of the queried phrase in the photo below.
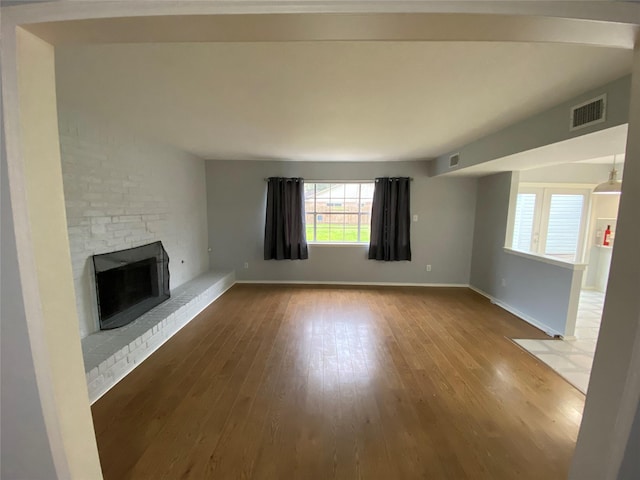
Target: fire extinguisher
(607, 234)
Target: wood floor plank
(197, 420)
(141, 416)
(275, 382)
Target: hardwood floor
(289, 382)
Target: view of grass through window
(338, 212)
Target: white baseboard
(527, 318)
(373, 284)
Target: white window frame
(540, 229)
(359, 213)
(537, 215)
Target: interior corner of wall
(511, 211)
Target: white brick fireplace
(122, 191)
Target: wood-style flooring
(282, 382)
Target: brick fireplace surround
(123, 191)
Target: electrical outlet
(504, 282)
(415, 218)
(246, 264)
(428, 268)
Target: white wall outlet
(209, 249)
(428, 268)
(246, 264)
(504, 282)
(415, 218)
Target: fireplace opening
(130, 282)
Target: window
(338, 212)
(550, 221)
(524, 221)
(563, 226)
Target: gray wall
(546, 128)
(630, 469)
(236, 202)
(24, 441)
(537, 290)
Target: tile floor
(572, 359)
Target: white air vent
(589, 113)
(453, 160)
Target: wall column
(614, 389)
(43, 258)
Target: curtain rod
(266, 179)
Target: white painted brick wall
(122, 192)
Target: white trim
(612, 12)
(546, 259)
(514, 189)
(150, 351)
(29, 286)
(574, 301)
(523, 316)
(572, 186)
(374, 284)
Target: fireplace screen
(130, 282)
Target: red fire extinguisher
(607, 234)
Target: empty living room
(320, 240)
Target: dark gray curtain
(390, 220)
(284, 233)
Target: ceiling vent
(453, 160)
(589, 113)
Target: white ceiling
(606, 160)
(332, 101)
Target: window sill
(337, 244)
(546, 259)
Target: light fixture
(611, 187)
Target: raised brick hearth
(110, 355)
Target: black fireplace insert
(130, 282)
